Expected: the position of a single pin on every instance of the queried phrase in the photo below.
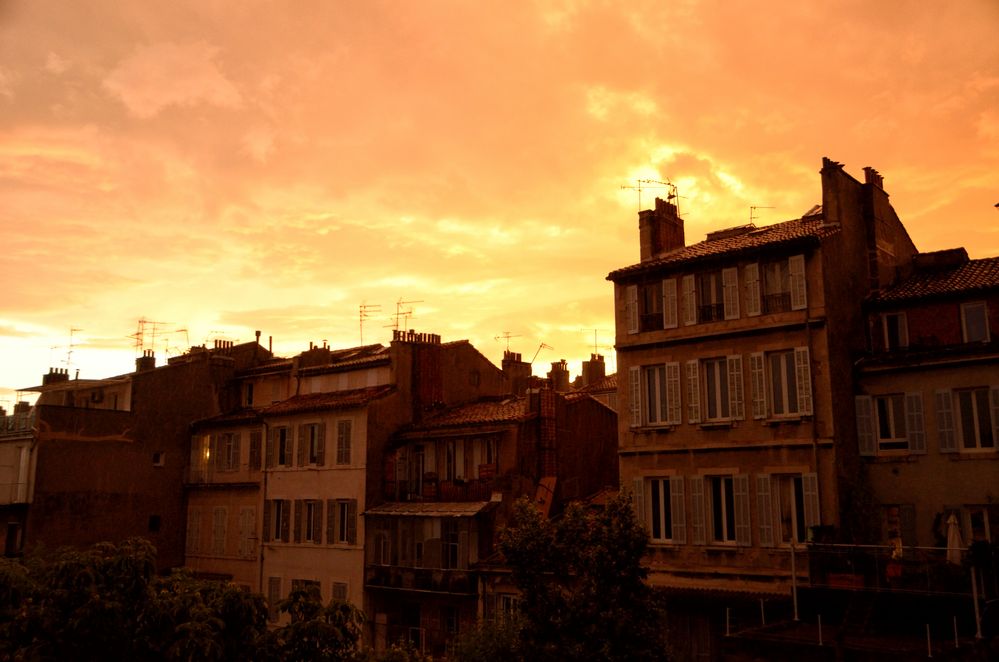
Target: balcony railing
(431, 488)
(777, 303)
(651, 321)
(711, 312)
(461, 582)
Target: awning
(428, 509)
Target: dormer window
(895, 330)
(975, 322)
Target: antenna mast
(365, 311)
(540, 347)
(506, 335)
(403, 314)
(752, 211)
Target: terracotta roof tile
(324, 401)
(429, 508)
(238, 417)
(807, 227)
(608, 383)
(971, 276)
(509, 410)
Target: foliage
(584, 595)
(315, 632)
(491, 640)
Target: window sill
(722, 547)
(647, 427)
(973, 454)
(785, 420)
(716, 425)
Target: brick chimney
(559, 376)
(418, 358)
(594, 370)
(55, 376)
(145, 362)
(516, 372)
(660, 230)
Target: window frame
(975, 305)
(983, 421)
(898, 337)
(344, 441)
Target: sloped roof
(509, 410)
(237, 417)
(812, 227)
(971, 276)
(608, 383)
(429, 508)
(324, 401)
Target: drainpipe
(263, 493)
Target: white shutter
(743, 532)
(631, 307)
(635, 395)
(914, 422)
(757, 377)
(810, 487)
(865, 425)
(697, 508)
(994, 398)
(736, 401)
(803, 377)
(688, 301)
(638, 501)
(693, 393)
(677, 512)
(945, 422)
(751, 273)
(669, 304)
(730, 293)
(765, 510)
(673, 410)
(799, 296)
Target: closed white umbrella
(954, 545)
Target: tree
(315, 632)
(584, 595)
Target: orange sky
(226, 167)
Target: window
(710, 297)
(343, 442)
(450, 545)
(159, 458)
(341, 522)
(382, 552)
(339, 591)
(508, 605)
(895, 330)
(721, 500)
(255, 439)
(277, 520)
(660, 505)
(311, 444)
(890, 422)
(723, 392)
(890, 413)
(716, 389)
(454, 459)
(194, 531)
(650, 299)
(228, 451)
(789, 509)
(309, 521)
(247, 532)
(449, 620)
(776, 287)
(154, 523)
(782, 384)
(307, 585)
(975, 420)
(655, 394)
(975, 322)
(279, 446)
(720, 509)
(219, 521)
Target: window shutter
(331, 522)
(631, 307)
(945, 422)
(317, 522)
(673, 409)
(994, 399)
(735, 392)
(914, 422)
(764, 509)
(799, 296)
(303, 442)
(730, 293)
(697, 508)
(803, 377)
(670, 320)
(903, 330)
(759, 384)
(751, 272)
(635, 395)
(693, 393)
(740, 489)
(255, 450)
(321, 445)
(269, 451)
(677, 510)
(352, 522)
(688, 302)
(810, 487)
(237, 450)
(218, 461)
(268, 507)
(638, 501)
(463, 550)
(299, 508)
(865, 425)
(285, 519)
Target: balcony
(712, 312)
(431, 488)
(651, 321)
(435, 580)
(776, 303)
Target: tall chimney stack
(660, 230)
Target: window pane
(984, 419)
(657, 532)
(974, 322)
(965, 400)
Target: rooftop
(509, 410)
(300, 404)
(429, 509)
(968, 276)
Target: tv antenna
(506, 335)
(140, 334)
(365, 312)
(69, 352)
(752, 211)
(540, 347)
(403, 313)
(596, 346)
(656, 184)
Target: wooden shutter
(730, 293)
(351, 522)
(670, 317)
(799, 294)
(945, 422)
(736, 401)
(693, 393)
(255, 450)
(317, 522)
(638, 501)
(216, 445)
(758, 380)
(268, 507)
(994, 400)
(269, 451)
(299, 512)
(331, 522)
(740, 489)
(285, 520)
(764, 508)
(673, 409)
(914, 422)
(303, 443)
(697, 508)
(321, 445)
(865, 425)
(810, 487)
(677, 510)
(803, 377)
(635, 395)
(631, 307)
(688, 302)
(751, 273)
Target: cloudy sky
(222, 167)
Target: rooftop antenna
(651, 184)
(140, 334)
(540, 347)
(365, 312)
(69, 352)
(403, 314)
(596, 346)
(752, 212)
(506, 335)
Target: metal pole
(820, 629)
(956, 645)
(929, 647)
(794, 584)
(974, 596)
(728, 621)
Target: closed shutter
(730, 293)
(299, 509)
(803, 377)
(677, 510)
(352, 522)
(317, 522)
(764, 509)
(237, 450)
(914, 422)
(758, 380)
(865, 425)
(638, 501)
(945, 422)
(631, 307)
(670, 318)
(635, 395)
(799, 295)
(255, 450)
(688, 302)
(994, 398)
(303, 443)
(321, 445)
(810, 487)
(285, 520)
(736, 401)
(751, 273)
(268, 507)
(331, 522)
(743, 532)
(697, 508)
(673, 409)
(693, 393)
(269, 452)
